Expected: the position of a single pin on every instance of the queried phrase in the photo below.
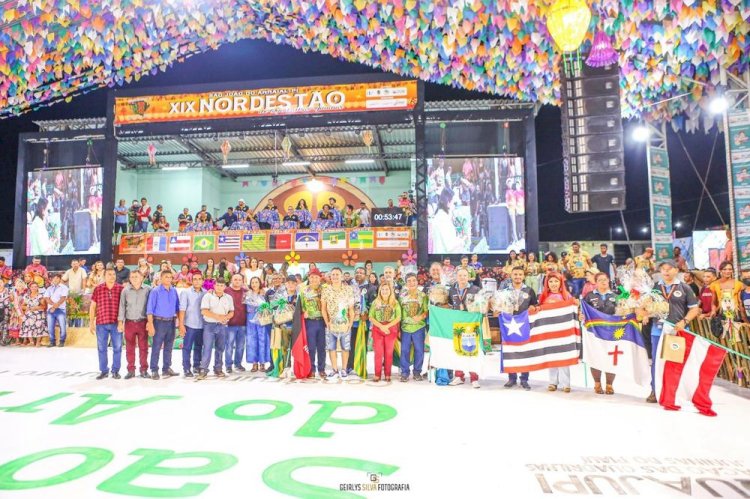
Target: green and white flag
(334, 239)
(456, 339)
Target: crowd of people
(140, 217)
(242, 312)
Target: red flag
(692, 379)
(300, 352)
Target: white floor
(443, 442)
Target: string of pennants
(298, 240)
(332, 180)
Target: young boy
(707, 297)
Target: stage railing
(385, 238)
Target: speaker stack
(592, 139)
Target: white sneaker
(475, 384)
(333, 376)
(456, 381)
(343, 374)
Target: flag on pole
(300, 352)
(455, 339)
(541, 340)
(690, 380)
(614, 345)
(360, 350)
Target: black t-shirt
(525, 297)
(680, 297)
(603, 263)
(122, 276)
(605, 304)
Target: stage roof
(52, 50)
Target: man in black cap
(683, 308)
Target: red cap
(314, 272)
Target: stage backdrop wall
(176, 190)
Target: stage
(502, 442)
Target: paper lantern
(567, 22)
(602, 52)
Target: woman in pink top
(556, 292)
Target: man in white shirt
(217, 308)
(75, 277)
(364, 215)
(57, 296)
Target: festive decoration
(601, 53)
(286, 146)
(349, 258)
(239, 258)
(151, 154)
(409, 258)
(292, 258)
(52, 51)
(368, 138)
(567, 22)
(190, 258)
(226, 148)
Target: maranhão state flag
(300, 351)
(691, 379)
(614, 344)
(546, 338)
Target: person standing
(122, 272)
(191, 325)
(385, 316)
(555, 291)
(162, 309)
(577, 263)
(365, 294)
(314, 323)
(121, 217)
(257, 349)
(217, 308)
(143, 216)
(56, 297)
(75, 277)
(602, 299)
(337, 306)
(727, 291)
(645, 261)
(33, 325)
(524, 298)
(414, 305)
(105, 305)
(183, 219)
(131, 320)
(237, 327)
(364, 215)
(604, 261)
(460, 296)
(683, 308)
(706, 296)
(682, 265)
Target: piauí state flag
(204, 243)
(361, 239)
(456, 339)
(614, 344)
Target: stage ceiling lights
(295, 163)
(235, 166)
(641, 133)
(174, 168)
(315, 185)
(718, 104)
(359, 161)
(568, 22)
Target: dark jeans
(514, 377)
(163, 339)
(316, 343)
(193, 341)
(213, 334)
(121, 227)
(577, 285)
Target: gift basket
(479, 302)
(283, 312)
(636, 295)
(264, 315)
(438, 294)
(504, 301)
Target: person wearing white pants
(559, 377)
(555, 291)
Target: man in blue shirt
(57, 296)
(683, 308)
(228, 218)
(162, 309)
(191, 325)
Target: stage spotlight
(718, 104)
(618, 230)
(644, 230)
(315, 185)
(678, 225)
(641, 133)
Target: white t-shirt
(76, 280)
(220, 305)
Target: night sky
(256, 60)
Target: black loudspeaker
(82, 230)
(499, 227)
(593, 140)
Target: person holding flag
(524, 298)
(385, 316)
(555, 292)
(460, 296)
(683, 308)
(414, 306)
(314, 325)
(602, 299)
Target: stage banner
(388, 217)
(204, 242)
(251, 103)
(661, 202)
(132, 244)
(307, 241)
(180, 243)
(254, 242)
(739, 155)
(334, 239)
(361, 239)
(392, 238)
